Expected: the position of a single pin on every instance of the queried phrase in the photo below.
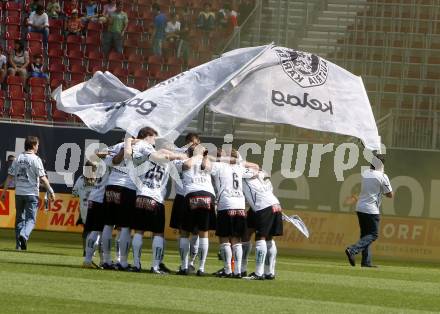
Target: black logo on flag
(305, 69)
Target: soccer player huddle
(211, 194)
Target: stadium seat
(77, 72)
(56, 26)
(120, 73)
(141, 74)
(134, 62)
(58, 115)
(115, 60)
(13, 24)
(155, 64)
(13, 6)
(94, 29)
(38, 110)
(55, 54)
(57, 71)
(55, 83)
(73, 43)
(34, 37)
(14, 80)
(174, 64)
(35, 47)
(12, 35)
(92, 43)
(140, 84)
(17, 109)
(37, 88)
(55, 40)
(75, 55)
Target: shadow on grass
(32, 252)
(41, 264)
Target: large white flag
(288, 86)
(104, 103)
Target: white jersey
(118, 177)
(374, 185)
(259, 193)
(195, 179)
(228, 181)
(82, 190)
(154, 180)
(180, 190)
(27, 169)
(98, 193)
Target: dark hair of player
(30, 142)
(381, 157)
(190, 137)
(145, 132)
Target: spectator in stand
(91, 12)
(227, 17)
(38, 22)
(69, 7)
(37, 68)
(18, 61)
(160, 22)
(244, 10)
(53, 9)
(172, 29)
(33, 5)
(107, 10)
(206, 22)
(113, 37)
(183, 48)
(74, 24)
(3, 66)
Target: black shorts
(250, 220)
(120, 206)
(231, 223)
(95, 216)
(177, 212)
(199, 214)
(268, 222)
(149, 215)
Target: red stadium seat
(32, 36)
(73, 43)
(35, 47)
(115, 60)
(55, 54)
(59, 116)
(77, 72)
(55, 40)
(17, 109)
(56, 26)
(141, 84)
(13, 35)
(141, 74)
(155, 64)
(94, 29)
(37, 88)
(134, 62)
(13, 6)
(38, 110)
(14, 80)
(75, 55)
(57, 71)
(55, 83)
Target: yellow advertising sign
(410, 238)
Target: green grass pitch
(48, 279)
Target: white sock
(226, 251)
(194, 248)
(203, 252)
(107, 244)
(237, 250)
(101, 255)
(184, 251)
(260, 256)
(158, 248)
(247, 248)
(136, 244)
(118, 252)
(124, 246)
(269, 265)
(90, 246)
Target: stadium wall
(410, 227)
